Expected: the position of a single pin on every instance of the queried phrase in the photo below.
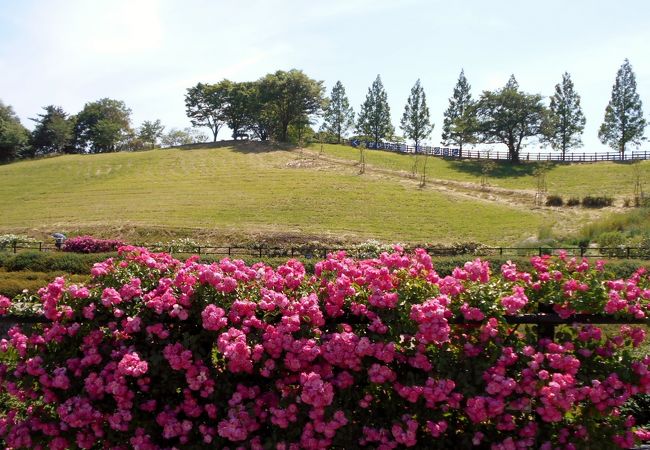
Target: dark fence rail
(321, 252)
(447, 152)
(546, 322)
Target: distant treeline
(285, 105)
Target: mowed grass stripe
(224, 188)
(615, 179)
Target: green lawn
(602, 178)
(250, 190)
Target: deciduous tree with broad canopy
(289, 98)
(205, 105)
(624, 122)
(14, 136)
(508, 116)
(101, 125)
(150, 132)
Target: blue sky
(147, 52)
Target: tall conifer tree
(374, 117)
(457, 127)
(339, 116)
(624, 122)
(565, 121)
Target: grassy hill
(251, 191)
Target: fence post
(15, 243)
(540, 251)
(260, 252)
(545, 330)
(40, 246)
(628, 252)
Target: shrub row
(382, 353)
(587, 202)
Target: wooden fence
(446, 152)
(321, 252)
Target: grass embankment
(246, 192)
(613, 179)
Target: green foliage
(508, 116)
(460, 117)
(53, 133)
(289, 98)
(416, 121)
(151, 132)
(611, 239)
(624, 122)
(565, 121)
(101, 126)
(14, 137)
(46, 262)
(204, 106)
(338, 115)
(239, 110)
(15, 283)
(374, 118)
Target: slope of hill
(249, 191)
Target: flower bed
(89, 244)
(381, 353)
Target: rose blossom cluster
(382, 353)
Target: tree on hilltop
(459, 122)
(624, 122)
(565, 121)
(150, 132)
(288, 98)
(204, 106)
(416, 121)
(14, 137)
(508, 116)
(374, 117)
(101, 126)
(338, 115)
(53, 133)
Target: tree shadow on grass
(242, 146)
(502, 169)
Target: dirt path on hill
(565, 219)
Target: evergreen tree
(339, 116)
(458, 125)
(624, 120)
(415, 122)
(374, 117)
(565, 122)
(53, 132)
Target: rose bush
(89, 244)
(380, 353)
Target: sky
(148, 52)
